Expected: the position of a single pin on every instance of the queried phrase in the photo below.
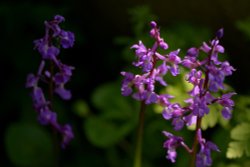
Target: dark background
(96, 57)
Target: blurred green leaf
(153, 137)
(240, 163)
(178, 88)
(108, 99)
(241, 132)
(115, 120)
(105, 133)
(81, 108)
(242, 108)
(28, 145)
(235, 149)
(241, 145)
(101, 132)
(244, 26)
(184, 35)
(141, 17)
(211, 119)
(227, 165)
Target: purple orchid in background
(49, 49)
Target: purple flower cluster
(142, 86)
(49, 48)
(207, 77)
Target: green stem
(138, 148)
(196, 142)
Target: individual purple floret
(220, 33)
(203, 158)
(171, 144)
(49, 49)
(227, 104)
(67, 134)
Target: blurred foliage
(244, 26)
(239, 147)
(29, 146)
(115, 120)
(240, 134)
(81, 108)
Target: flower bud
(220, 33)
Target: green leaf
(27, 145)
(241, 132)
(244, 26)
(247, 148)
(235, 149)
(104, 133)
(242, 108)
(116, 118)
(241, 145)
(222, 164)
(100, 132)
(153, 137)
(141, 16)
(212, 118)
(178, 88)
(108, 99)
(184, 35)
(104, 95)
(81, 108)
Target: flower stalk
(139, 137)
(196, 142)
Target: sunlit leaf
(241, 145)
(211, 119)
(178, 87)
(241, 132)
(235, 149)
